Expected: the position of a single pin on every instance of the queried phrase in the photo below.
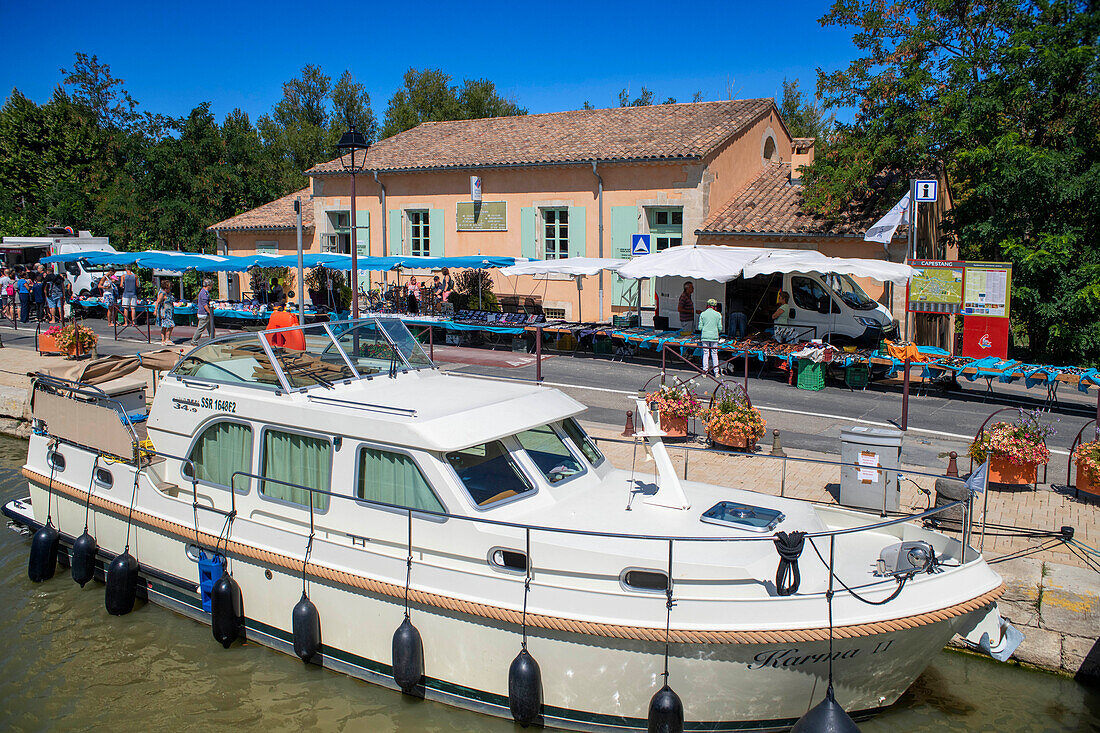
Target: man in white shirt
(6, 299)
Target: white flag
(884, 228)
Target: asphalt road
(939, 421)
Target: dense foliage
(92, 159)
(1002, 98)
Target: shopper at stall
(54, 285)
(23, 289)
(276, 296)
(738, 323)
(7, 294)
(108, 285)
(448, 282)
(129, 296)
(38, 296)
(414, 296)
(686, 308)
(782, 317)
(165, 312)
(710, 323)
(204, 311)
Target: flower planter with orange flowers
(674, 427)
(1087, 458)
(1004, 471)
(733, 440)
(676, 406)
(47, 344)
(734, 423)
(1087, 482)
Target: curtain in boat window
(222, 449)
(297, 459)
(393, 478)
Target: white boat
(335, 459)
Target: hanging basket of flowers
(1087, 458)
(75, 339)
(676, 405)
(733, 421)
(1014, 449)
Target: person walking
(686, 308)
(738, 323)
(165, 312)
(710, 322)
(129, 296)
(204, 311)
(413, 301)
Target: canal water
(68, 665)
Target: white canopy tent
(577, 267)
(722, 264)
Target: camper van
(27, 251)
(830, 307)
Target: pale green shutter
(624, 223)
(396, 233)
(576, 231)
(362, 236)
(436, 233)
(527, 245)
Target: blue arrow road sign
(639, 244)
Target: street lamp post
(353, 157)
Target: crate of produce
(811, 375)
(625, 321)
(603, 347)
(857, 376)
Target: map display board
(962, 288)
(936, 286)
(987, 288)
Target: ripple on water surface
(70, 665)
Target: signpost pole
(911, 247)
(905, 398)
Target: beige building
(565, 184)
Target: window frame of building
(267, 246)
(418, 224)
(555, 232)
(338, 240)
(666, 226)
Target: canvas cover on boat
(106, 368)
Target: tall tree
(1004, 98)
(351, 106)
(642, 100)
(296, 132)
(805, 118)
(428, 96)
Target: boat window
(55, 460)
(223, 449)
(239, 359)
(367, 347)
(651, 580)
(394, 478)
(581, 440)
(308, 357)
(296, 459)
(406, 344)
(508, 559)
(549, 453)
(489, 473)
(104, 478)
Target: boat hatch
(743, 516)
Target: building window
(419, 236)
(267, 247)
(555, 234)
(339, 240)
(666, 226)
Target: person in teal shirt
(710, 321)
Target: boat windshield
(548, 452)
(318, 355)
(851, 293)
(489, 473)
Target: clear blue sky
(546, 56)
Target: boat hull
(589, 682)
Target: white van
(27, 251)
(829, 307)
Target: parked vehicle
(27, 251)
(830, 306)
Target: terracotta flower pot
(47, 344)
(1003, 471)
(733, 440)
(1086, 482)
(675, 427)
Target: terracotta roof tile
(801, 144)
(277, 214)
(771, 204)
(663, 131)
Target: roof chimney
(802, 154)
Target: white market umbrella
(577, 267)
(706, 262)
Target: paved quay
(1053, 588)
